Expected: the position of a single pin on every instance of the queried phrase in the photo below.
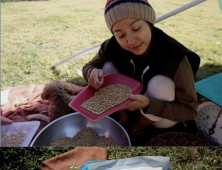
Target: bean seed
(85, 137)
(10, 139)
(106, 98)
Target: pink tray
(88, 92)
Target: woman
(165, 67)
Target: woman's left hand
(5, 120)
(139, 102)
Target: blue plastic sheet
(211, 88)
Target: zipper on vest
(131, 61)
(147, 68)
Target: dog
(59, 94)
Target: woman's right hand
(96, 78)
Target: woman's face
(133, 35)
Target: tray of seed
(18, 133)
(96, 104)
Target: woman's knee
(109, 68)
(161, 88)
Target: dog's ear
(64, 87)
(48, 90)
(56, 87)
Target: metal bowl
(69, 125)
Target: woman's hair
(151, 26)
(116, 10)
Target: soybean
(107, 98)
(85, 137)
(10, 139)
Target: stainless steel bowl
(69, 125)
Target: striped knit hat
(116, 10)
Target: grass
(44, 33)
(37, 34)
(181, 158)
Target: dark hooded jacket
(166, 57)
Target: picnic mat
(20, 101)
(211, 88)
(76, 157)
(25, 100)
(179, 139)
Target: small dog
(59, 94)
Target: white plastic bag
(135, 163)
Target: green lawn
(37, 34)
(181, 158)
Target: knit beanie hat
(116, 10)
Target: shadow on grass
(204, 71)
(75, 80)
(207, 70)
(78, 81)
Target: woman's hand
(139, 102)
(5, 120)
(96, 78)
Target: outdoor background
(37, 34)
